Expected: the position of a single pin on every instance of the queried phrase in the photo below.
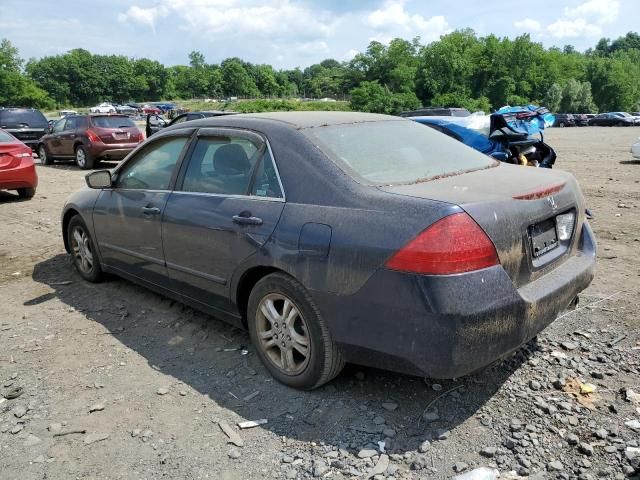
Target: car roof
(311, 119)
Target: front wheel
(26, 192)
(289, 334)
(83, 158)
(83, 251)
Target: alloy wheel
(81, 157)
(283, 334)
(81, 247)
(42, 153)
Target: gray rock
(319, 468)
(390, 406)
(436, 387)
(389, 432)
(611, 449)
(555, 466)
(535, 385)
(601, 433)
(287, 459)
(19, 412)
(95, 437)
(367, 453)
(381, 466)
(442, 434)
(378, 420)
(16, 429)
(234, 453)
(488, 452)
(572, 439)
(162, 391)
(459, 467)
(424, 446)
(569, 345)
(586, 448)
(291, 474)
(430, 416)
(633, 425)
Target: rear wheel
(26, 192)
(83, 251)
(83, 158)
(290, 337)
(44, 156)
(561, 124)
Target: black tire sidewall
(280, 283)
(95, 275)
(47, 159)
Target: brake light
(453, 244)
(92, 136)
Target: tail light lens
(93, 136)
(13, 158)
(453, 244)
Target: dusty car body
(635, 150)
(393, 245)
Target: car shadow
(630, 162)
(71, 165)
(11, 197)
(218, 360)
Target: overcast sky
(289, 33)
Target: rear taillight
(453, 244)
(92, 136)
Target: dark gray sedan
(340, 237)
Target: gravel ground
(118, 382)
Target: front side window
(221, 165)
(59, 126)
(153, 167)
(72, 124)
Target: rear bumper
(22, 176)
(111, 151)
(450, 326)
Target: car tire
(84, 254)
(43, 154)
(561, 124)
(84, 159)
(280, 338)
(26, 192)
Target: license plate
(121, 136)
(544, 237)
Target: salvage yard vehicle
(611, 120)
(564, 120)
(26, 124)
(340, 237)
(156, 123)
(103, 108)
(17, 170)
(436, 112)
(89, 138)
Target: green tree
(553, 98)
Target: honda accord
(338, 237)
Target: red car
(90, 138)
(151, 110)
(17, 170)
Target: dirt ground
(160, 376)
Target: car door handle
(150, 210)
(242, 220)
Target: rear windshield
(22, 118)
(112, 122)
(392, 152)
(6, 138)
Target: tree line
(461, 69)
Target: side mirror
(99, 179)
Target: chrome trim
(224, 195)
(197, 273)
(132, 253)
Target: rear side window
(152, 168)
(395, 151)
(221, 165)
(112, 122)
(20, 118)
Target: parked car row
(611, 119)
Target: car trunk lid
(516, 207)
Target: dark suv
(564, 120)
(89, 139)
(436, 112)
(26, 124)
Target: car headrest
(231, 159)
